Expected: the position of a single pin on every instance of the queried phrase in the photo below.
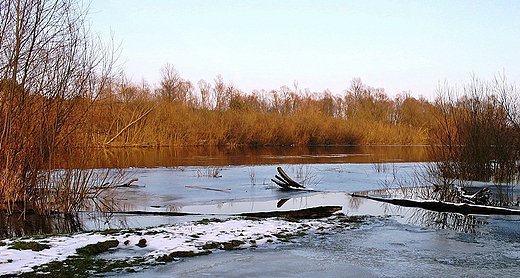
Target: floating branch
(285, 182)
(208, 188)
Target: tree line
(179, 113)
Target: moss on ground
(29, 245)
(207, 221)
(97, 248)
(229, 245)
(81, 266)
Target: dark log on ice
(439, 206)
(162, 213)
(285, 182)
(308, 213)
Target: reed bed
(279, 117)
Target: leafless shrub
(210, 172)
(51, 70)
(306, 176)
(378, 164)
(73, 190)
(251, 172)
(476, 136)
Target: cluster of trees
(178, 113)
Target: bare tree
(220, 93)
(205, 90)
(173, 87)
(51, 69)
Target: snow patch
(160, 241)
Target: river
(391, 241)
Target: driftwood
(280, 203)
(129, 125)
(128, 184)
(208, 188)
(439, 206)
(285, 182)
(480, 197)
(308, 213)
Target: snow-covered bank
(160, 241)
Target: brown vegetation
(178, 114)
(50, 72)
(476, 138)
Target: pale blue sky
(395, 45)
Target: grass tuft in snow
(229, 245)
(207, 221)
(80, 266)
(97, 248)
(29, 245)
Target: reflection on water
(174, 189)
(446, 220)
(220, 156)
(15, 225)
(426, 218)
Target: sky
(401, 46)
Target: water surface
(392, 242)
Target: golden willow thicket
(178, 113)
(51, 70)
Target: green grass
(29, 245)
(206, 221)
(97, 248)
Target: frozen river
(389, 241)
(392, 242)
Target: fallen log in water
(207, 188)
(439, 206)
(307, 213)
